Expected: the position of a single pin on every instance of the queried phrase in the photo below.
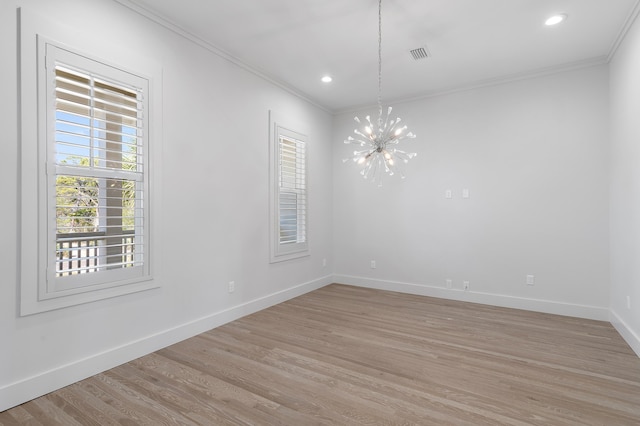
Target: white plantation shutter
(96, 170)
(288, 194)
(293, 195)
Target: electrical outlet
(232, 286)
(629, 302)
(465, 285)
(448, 194)
(449, 283)
(373, 264)
(531, 280)
(465, 193)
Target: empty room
(325, 212)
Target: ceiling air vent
(420, 53)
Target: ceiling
(471, 42)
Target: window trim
(34, 231)
(282, 252)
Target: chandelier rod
(379, 62)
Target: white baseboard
(546, 306)
(48, 381)
(627, 333)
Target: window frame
(67, 285)
(282, 251)
(38, 291)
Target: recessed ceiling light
(556, 19)
(327, 79)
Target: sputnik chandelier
(379, 153)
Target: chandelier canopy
(378, 153)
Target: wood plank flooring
(351, 356)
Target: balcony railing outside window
(80, 252)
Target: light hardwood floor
(351, 356)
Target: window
(289, 194)
(93, 185)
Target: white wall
(213, 205)
(534, 156)
(625, 187)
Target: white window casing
(93, 186)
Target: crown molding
(182, 32)
(633, 15)
(179, 30)
(509, 78)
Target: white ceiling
(296, 42)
